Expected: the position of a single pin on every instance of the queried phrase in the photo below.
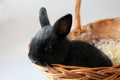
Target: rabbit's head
(49, 45)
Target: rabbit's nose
(34, 60)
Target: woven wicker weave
(102, 29)
(61, 72)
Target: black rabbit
(50, 46)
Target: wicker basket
(102, 29)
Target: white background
(19, 22)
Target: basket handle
(77, 16)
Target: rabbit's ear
(63, 25)
(43, 17)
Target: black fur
(50, 46)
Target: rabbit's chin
(41, 68)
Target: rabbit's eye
(49, 46)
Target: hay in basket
(104, 34)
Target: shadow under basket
(104, 29)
